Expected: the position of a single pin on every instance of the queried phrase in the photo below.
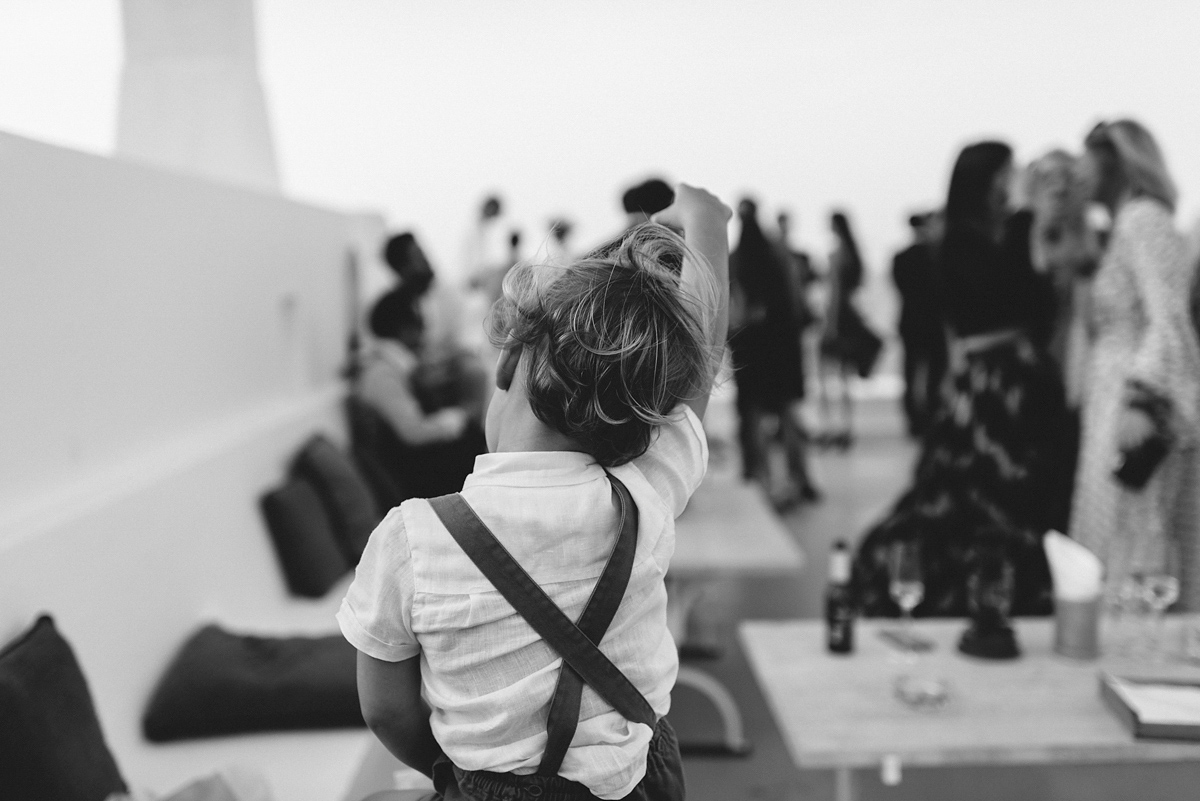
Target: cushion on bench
(225, 683)
(308, 551)
(376, 451)
(51, 745)
(347, 497)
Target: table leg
(734, 742)
(682, 597)
(843, 784)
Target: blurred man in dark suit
(922, 329)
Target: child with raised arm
(513, 637)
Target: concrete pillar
(191, 99)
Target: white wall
(165, 345)
(143, 311)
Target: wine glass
(918, 688)
(1126, 604)
(906, 584)
(1160, 590)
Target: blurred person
(764, 343)
(487, 242)
(557, 249)
(1194, 259)
(848, 346)
(1144, 375)
(646, 199)
(486, 252)
(447, 373)
(439, 303)
(922, 325)
(488, 280)
(435, 442)
(804, 275)
(514, 246)
(998, 460)
(1065, 249)
(806, 281)
(405, 258)
(640, 202)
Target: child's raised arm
(704, 220)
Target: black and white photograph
(563, 400)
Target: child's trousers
(663, 780)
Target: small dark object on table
(989, 597)
(994, 641)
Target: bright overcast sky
(416, 108)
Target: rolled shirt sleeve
(677, 459)
(376, 614)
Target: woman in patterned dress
(1144, 373)
(997, 464)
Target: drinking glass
(917, 687)
(906, 584)
(1126, 602)
(1160, 590)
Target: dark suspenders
(575, 643)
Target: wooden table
(840, 712)
(728, 528)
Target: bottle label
(839, 567)
(839, 619)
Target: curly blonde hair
(611, 344)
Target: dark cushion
(378, 453)
(223, 683)
(345, 494)
(51, 745)
(308, 551)
(385, 486)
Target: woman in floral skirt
(998, 461)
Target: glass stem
(1159, 647)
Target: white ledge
(70, 500)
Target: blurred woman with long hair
(847, 345)
(997, 463)
(1136, 492)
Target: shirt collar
(534, 469)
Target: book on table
(1160, 709)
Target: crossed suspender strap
(576, 644)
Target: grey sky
(418, 108)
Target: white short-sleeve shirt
(486, 675)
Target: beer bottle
(839, 602)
